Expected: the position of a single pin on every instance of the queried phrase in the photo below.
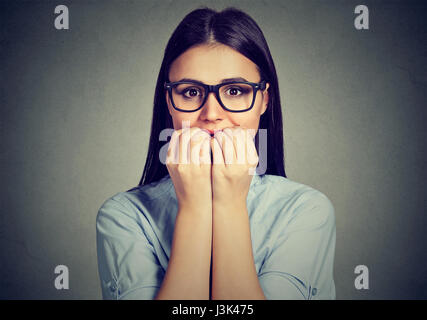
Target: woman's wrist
(195, 209)
(229, 206)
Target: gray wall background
(76, 109)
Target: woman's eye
(234, 91)
(191, 92)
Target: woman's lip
(211, 131)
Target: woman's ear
(265, 98)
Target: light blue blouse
(292, 232)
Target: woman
(200, 225)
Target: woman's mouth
(211, 132)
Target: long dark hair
(239, 31)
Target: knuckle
(180, 168)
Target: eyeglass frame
(215, 89)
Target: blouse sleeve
(300, 264)
(127, 264)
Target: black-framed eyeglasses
(236, 96)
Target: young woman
(200, 225)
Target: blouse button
(314, 291)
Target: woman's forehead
(213, 63)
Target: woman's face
(211, 65)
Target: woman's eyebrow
(237, 79)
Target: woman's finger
(227, 146)
(205, 151)
(196, 141)
(173, 153)
(237, 135)
(184, 141)
(217, 156)
(252, 154)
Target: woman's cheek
(181, 122)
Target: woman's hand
(189, 164)
(234, 159)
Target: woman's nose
(212, 109)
